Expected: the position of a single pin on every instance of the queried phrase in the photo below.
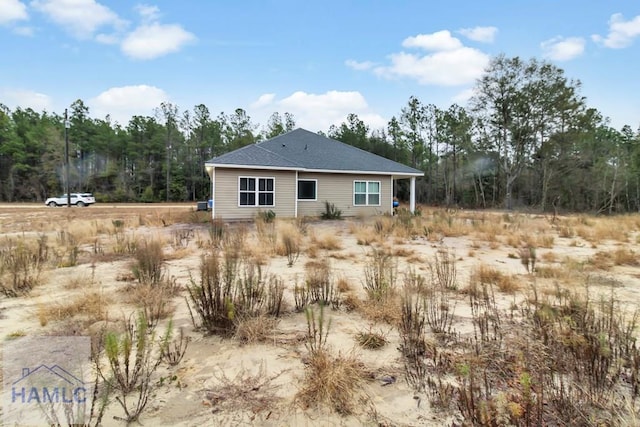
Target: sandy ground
(180, 396)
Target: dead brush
(370, 339)
(384, 311)
(490, 275)
(254, 392)
(380, 274)
(290, 244)
(21, 265)
(154, 300)
(365, 235)
(267, 232)
(334, 381)
(443, 269)
(88, 308)
(149, 262)
(249, 330)
(326, 241)
(220, 304)
(528, 258)
(625, 256)
(216, 231)
(320, 283)
(383, 226)
(413, 347)
(173, 349)
(181, 237)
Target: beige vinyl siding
(338, 189)
(226, 193)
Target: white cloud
(26, 99)
(447, 68)
(621, 32)
(440, 40)
(563, 49)
(461, 98)
(448, 62)
(360, 66)
(12, 10)
(121, 103)
(263, 101)
(480, 34)
(148, 13)
(319, 111)
(150, 41)
(82, 18)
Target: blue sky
(316, 60)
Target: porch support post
(412, 195)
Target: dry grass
(153, 299)
(253, 392)
(490, 275)
(88, 308)
(625, 256)
(370, 339)
(251, 330)
(380, 311)
(328, 241)
(365, 235)
(333, 381)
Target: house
(294, 174)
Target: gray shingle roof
(304, 150)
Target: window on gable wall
(256, 191)
(366, 193)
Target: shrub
(291, 246)
(329, 380)
(20, 267)
(149, 258)
(172, 349)
(222, 303)
(331, 211)
(380, 274)
(132, 360)
(371, 339)
(319, 283)
(267, 216)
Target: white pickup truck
(77, 199)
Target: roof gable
(304, 150)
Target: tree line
(527, 138)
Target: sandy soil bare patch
(259, 375)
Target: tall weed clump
(380, 274)
(21, 265)
(334, 381)
(149, 262)
(319, 283)
(132, 358)
(222, 299)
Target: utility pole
(67, 125)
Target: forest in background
(526, 139)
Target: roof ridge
(273, 153)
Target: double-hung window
(366, 193)
(256, 191)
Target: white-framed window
(308, 189)
(366, 193)
(254, 191)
